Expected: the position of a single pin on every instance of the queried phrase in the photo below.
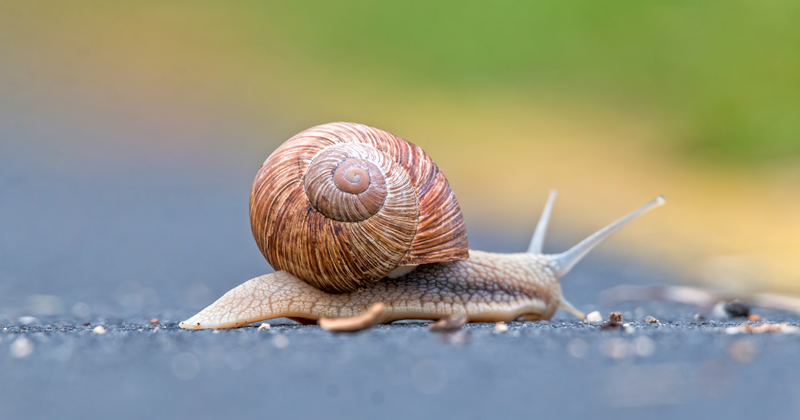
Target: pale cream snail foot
(275, 295)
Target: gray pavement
(678, 368)
(98, 231)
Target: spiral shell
(340, 205)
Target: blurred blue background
(130, 133)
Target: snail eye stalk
(563, 262)
(537, 242)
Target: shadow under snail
(362, 228)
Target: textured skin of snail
(488, 287)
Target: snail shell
(341, 205)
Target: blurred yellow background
(611, 103)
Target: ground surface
(136, 241)
(678, 368)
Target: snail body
(510, 286)
(391, 248)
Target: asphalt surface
(57, 367)
(98, 227)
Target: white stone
(21, 347)
(594, 317)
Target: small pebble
(156, 329)
(99, 330)
(737, 309)
(215, 331)
(733, 330)
(593, 317)
(21, 347)
(154, 321)
(762, 328)
(754, 317)
(86, 324)
(650, 320)
(500, 327)
(611, 326)
(264, 326)
(28, 320)
(615, 317)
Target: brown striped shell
(340, 205)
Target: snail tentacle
(537, 241)
(565, 305)
(564, 261)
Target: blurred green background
(612, 103)
(727, 70)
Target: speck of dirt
(611, 326)
(737, 309)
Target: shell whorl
(346, 183)
(341, 205)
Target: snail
(363, 228)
